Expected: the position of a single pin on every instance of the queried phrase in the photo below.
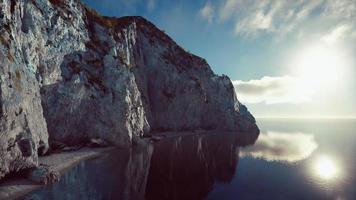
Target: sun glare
(319, 66)
(325, 167)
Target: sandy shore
(17, 187)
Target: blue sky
(286, 58)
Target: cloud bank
(286, 147)
(272, 90)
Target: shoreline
(17, 187)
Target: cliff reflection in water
(184, 167)
(188, 167)
(121, 174)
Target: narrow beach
(14, 188)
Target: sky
(285, 58)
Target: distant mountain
(68, 74)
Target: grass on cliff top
(93, 15)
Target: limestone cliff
(68, 74)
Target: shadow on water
(183, 167)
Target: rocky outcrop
(69, 74)
(179, 90)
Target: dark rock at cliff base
(43, 174)
(97, 142)
(68, 74)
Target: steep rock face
(179, 89)
(22, 125)
(98, 94)
(68, 74)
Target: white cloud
(276, 146)
(340, 9)
(207, 12)
(339, 34)
(228, 8)
(254, 17)
(307, 8)
(272, 90)
(255, 23)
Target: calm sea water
(291, 159)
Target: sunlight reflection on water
(294, 147)
(326, 168)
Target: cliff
(68, 74)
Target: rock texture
(23, 128)
(68, 74)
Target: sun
(319, 66)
